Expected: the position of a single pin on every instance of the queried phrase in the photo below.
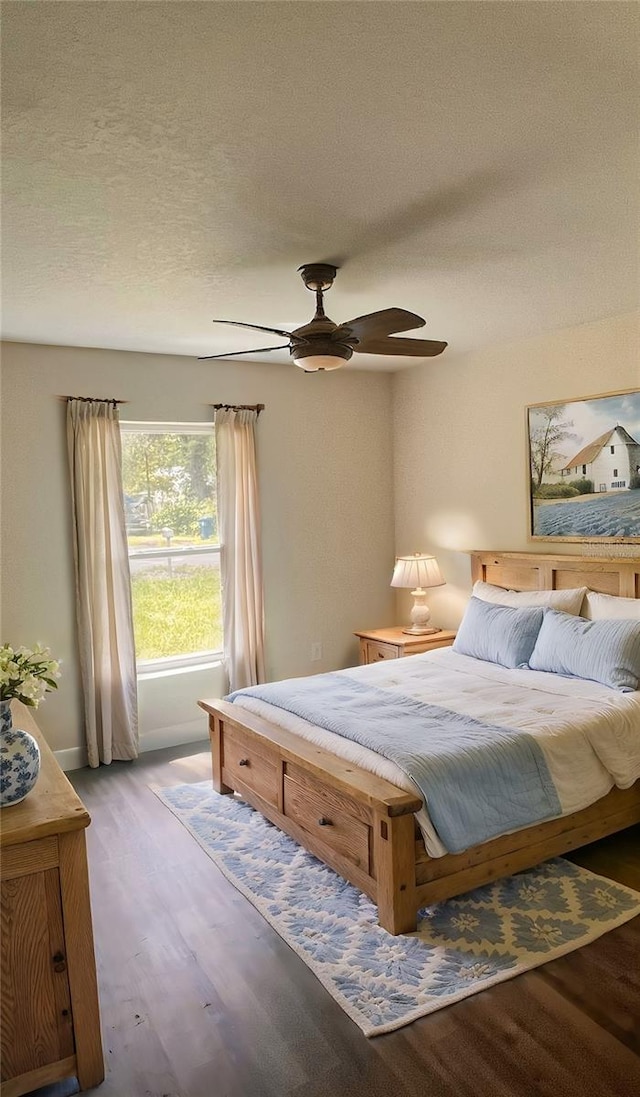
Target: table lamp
(417, 572)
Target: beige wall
(460, 467)
(325, 454)
(325, 466)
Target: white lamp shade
(416, 571)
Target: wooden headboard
(618, 575)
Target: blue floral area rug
(462, 946)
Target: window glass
(169, 484)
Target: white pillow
(565, 601)
(598, 607)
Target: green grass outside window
(176, 615)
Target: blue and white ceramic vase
(19, 759)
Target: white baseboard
(194, 731)
(73, 758)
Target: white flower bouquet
(27, 674)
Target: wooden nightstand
(393, 643)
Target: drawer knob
(59, 962)
(322, 822)
(243, 762)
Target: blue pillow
(605, 651)
(498, 634)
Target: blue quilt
(478, 780)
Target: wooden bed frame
(364, 826)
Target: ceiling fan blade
(421, 348)
(232, 353)
(384, 322)
(258, 327)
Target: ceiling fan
(323, 345)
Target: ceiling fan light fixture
(314, 362)
(320, 353)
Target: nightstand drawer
(381, 644)
(243, 765)
(377, 651)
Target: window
(615, 473)
(169, 484)
(584, 470)
(613, 449)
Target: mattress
(589, 734)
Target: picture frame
(584, 468)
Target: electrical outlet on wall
(316, 651)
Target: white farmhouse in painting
(610, 461)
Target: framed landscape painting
(584, 460)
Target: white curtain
(103, 589)
(240, 557)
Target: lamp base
(416, 631)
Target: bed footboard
(359, 824)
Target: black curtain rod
(240, 407)
(94, 399)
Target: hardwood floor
(201, 998)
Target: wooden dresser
(393, 643)
(50, 1016)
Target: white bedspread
(590, 734)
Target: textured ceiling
(167, 163)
